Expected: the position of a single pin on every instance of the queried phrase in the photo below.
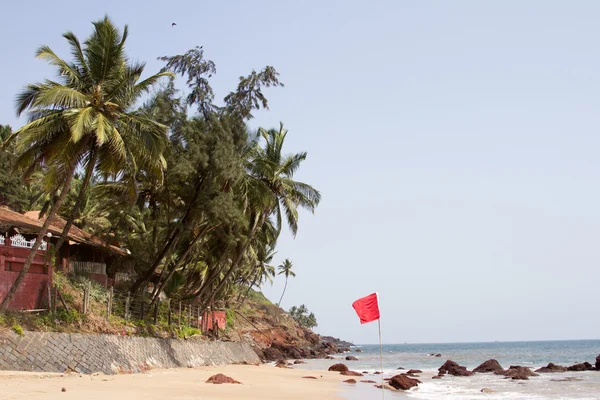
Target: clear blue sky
(455, 144)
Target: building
(80, 253)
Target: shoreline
(257, 382)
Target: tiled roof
(31, 221)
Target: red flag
(367, 308)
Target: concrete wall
(88, 353)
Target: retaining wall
(89, 353)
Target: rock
(403, 382)
(299, 362)
(489, 366)
(435, 355)
(351, 373)
(453, 368)
(487, 390)
(281, 363)
(63, 389)
(350, 381)
(351, 358)
(368, 381)
(550, 368)
(329, 358)
(400, 368)
(517, 372)
(272, 354)
(414, 371)
(220, 378)
(309, 377)
(598, 363)
(365, 372)
(586, 366)
(568, 379)
(376, 373)
(344, 350)
(437, 377)
(338, 367)
(358, 351)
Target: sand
(258, 382)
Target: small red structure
(219, 318)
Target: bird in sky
(173, 24)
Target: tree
(303, 317)
(13, 193)
(86, 119)
(285, 269)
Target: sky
(455, 145)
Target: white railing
(87, 267)
(19, 240)
(2, 240)
(123, 277)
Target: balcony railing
(19, 240)
(84, 267)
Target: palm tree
(268, 189)
(285, 269)
(86, 119)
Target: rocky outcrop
(220, 378)
(452, 368)
(551, 368)
(489, 366)
(403, 382)
(338, 368)
(517, 372)
(337, 342)
(351, 373)
(598, 363)
(586, 366)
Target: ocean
(568, 385)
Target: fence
(137, 308)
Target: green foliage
(230, 317)
(13, 193)
(97, 291)
(68, 317)
(17, 329)
(303, 317)
(187, 331)
(258, 297)
(2, 319)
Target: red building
(80, 253)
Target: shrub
(188, 331)
(17, 329)
(230, 316)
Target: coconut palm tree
(86, 119)
(285, 269)
(268, 189)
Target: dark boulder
(272, 354)
(414, 371)
(350, 381)
(550, 368)
(586, 366)
(299, 362)
(358, 351)
(453, 368)
(437, 377)
(598, 363)
(351, 373)
(338, 368)
(344, 350)
(489, 366)
(517, 372)
(403, 382)
(351, 358)
(368, 381)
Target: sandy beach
(258, 382)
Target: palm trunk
(38, 241)
(237, 261)
(75, 211)
(285, 287)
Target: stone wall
(89, 353)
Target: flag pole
(380, 356)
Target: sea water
(567, 385)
